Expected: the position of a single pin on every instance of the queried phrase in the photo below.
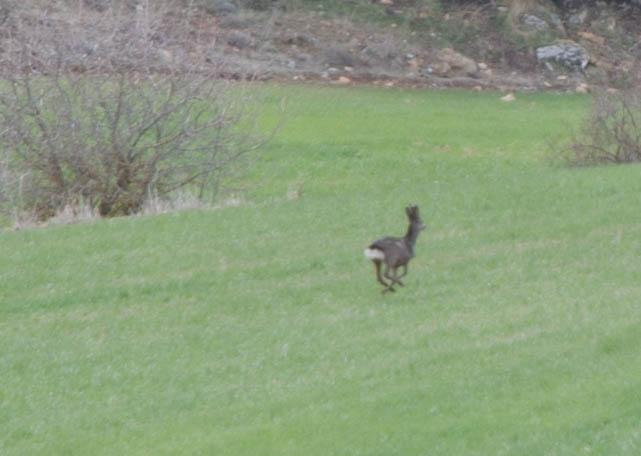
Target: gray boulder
(567, 53)
(534, 22)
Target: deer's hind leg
(377, 265)
(398, 277)
(390, 273)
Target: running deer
(395, 252)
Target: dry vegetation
(102, 112)
(611, 134)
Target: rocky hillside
(527, 44)
(509, 43)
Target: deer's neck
(411, 236)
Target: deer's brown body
(392, 253)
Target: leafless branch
(611, 133)
(105, 113)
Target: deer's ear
(408, 211)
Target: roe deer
(395, 252)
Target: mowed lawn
(260, 329)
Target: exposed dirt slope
(394, 42)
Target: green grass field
(260, 329)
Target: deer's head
(415, 218)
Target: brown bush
(104, 112)
(612, 132)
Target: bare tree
(612, 131)
(110, 109)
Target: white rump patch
(374, 254)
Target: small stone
(582, 88)
(344, 80)
(508, 98)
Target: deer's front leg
(398, 277)
(391, 275)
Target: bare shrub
(106, 111)
(611, 133)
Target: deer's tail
(374, 254)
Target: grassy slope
(260, 329)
